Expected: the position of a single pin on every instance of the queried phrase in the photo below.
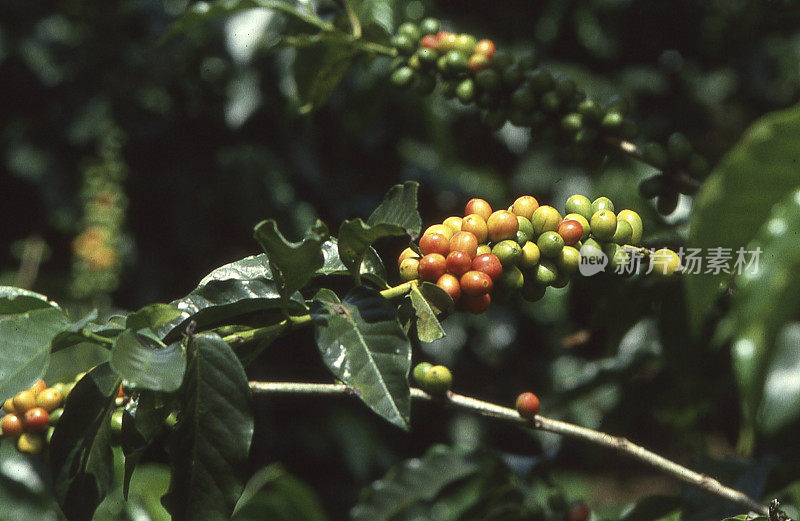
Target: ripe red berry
(578, 512)
(478, 62)
(502, 225)
(432, 266)
(458, 262)
(434, 243)
(479, 207)
(476, 283)
(489, 264)
(429, 41)
(527, 405)
(11, 425)
(476, 305)
(466, 242)
(442, 34)
(36, 420)
(450, 284)
(485, 47)
(571, 231)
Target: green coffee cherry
(456, 61)
(540, 80)
(55, 415)
(501, 60)
(509, 252)
(546, 272)
(564, 87)
(617, 256)
(561, 280)
(465, 91)
(656, 155)
(579, 204)
(404, 45)
(545, 219)
(512, 279)
(523, 99)
(419, 372)
(465, 43)
(604, 224)
(679, 147)
(512, 76)
(489, 81)
(601, 203)
(427, 57)
(525, 226)
(635, 221)
(623, 234)
(429, 26)
(572, 123)
(410, 30)
(612, 121)
(116, 426)
(569, 260)
(590, 110)
(550, 101)
(438, 380)
(665, 262)
(403, 76)
(550, 244)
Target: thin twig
(473, 405)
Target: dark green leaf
(362, 343)
(23, 491)
(428, 327)
(210, 446)
(80, 450)
(737, 197)
(274, 494)
(412, 481)
(319, 68)
(653, 508)
(146, 363)
(78, 358)
(764, 303)
(25, 347)
(395, 216)
(372, 267)
(399, 206)
(440, 302)
(152, 316)
(18, 300)
(292, 263)
(780, 404)
(249, 268)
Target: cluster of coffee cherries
(520, 91)
(31, 415)
(526, 248)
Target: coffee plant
(662, 294)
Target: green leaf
(250, 268)
(363, 345)
(210, 446)
(18, 300)
(78, 358)
(737, 198)
(428, 327)
(152, 316)
(293, 264)
(147, 363)
(274, 494)
(653, 508)
(23, 491)
(780, 404)
(764, 303)
(319, 68)
(372, 267)
(25, 347)
(396, 215)
(80, 450)
(414, 480)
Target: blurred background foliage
(132, 165)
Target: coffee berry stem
(542, 423)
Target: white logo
(593, 260)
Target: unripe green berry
(612, 121)
(665, 262)
(465, 43)
(572, 123)
(604, 224)
(427, 57)
(532, 290)
(590, 110)
(564, 87)
(509, 252)
(546, 272)
(523, 99)
(541, 80)
(438, 380)
(404, 45)
(617, 256)
(550, 244)
(561, 281)
(489, 81)
(116, 426)
(403, 76)
(465, 91)
(545, 219)
(656, 155)
(530, 255)
(56, 415)
(679, 147)
(512, 279)
(579, 204)
(525, 226)
(410, 30)
(512, 76)
(623, 234)
(569, 260)
(420, 370)
(550, 101)
(429, 26)
(501, 60)
(601, 203)
(456, 61)
(635, 221)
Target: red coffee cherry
(489, 264)
(434, 243)
(478, 62)
(12, 426)
(432, 266)
(485, 47)
(429, 41)
(524, 206)
(478, 206)
(476, 225)
(578, 512)
(476, 305)
(451, 285)
(36, 420)
(458, 262)
(571, 231)
(502, 225)
(476, 283)
(527, 405)
(466, 242)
